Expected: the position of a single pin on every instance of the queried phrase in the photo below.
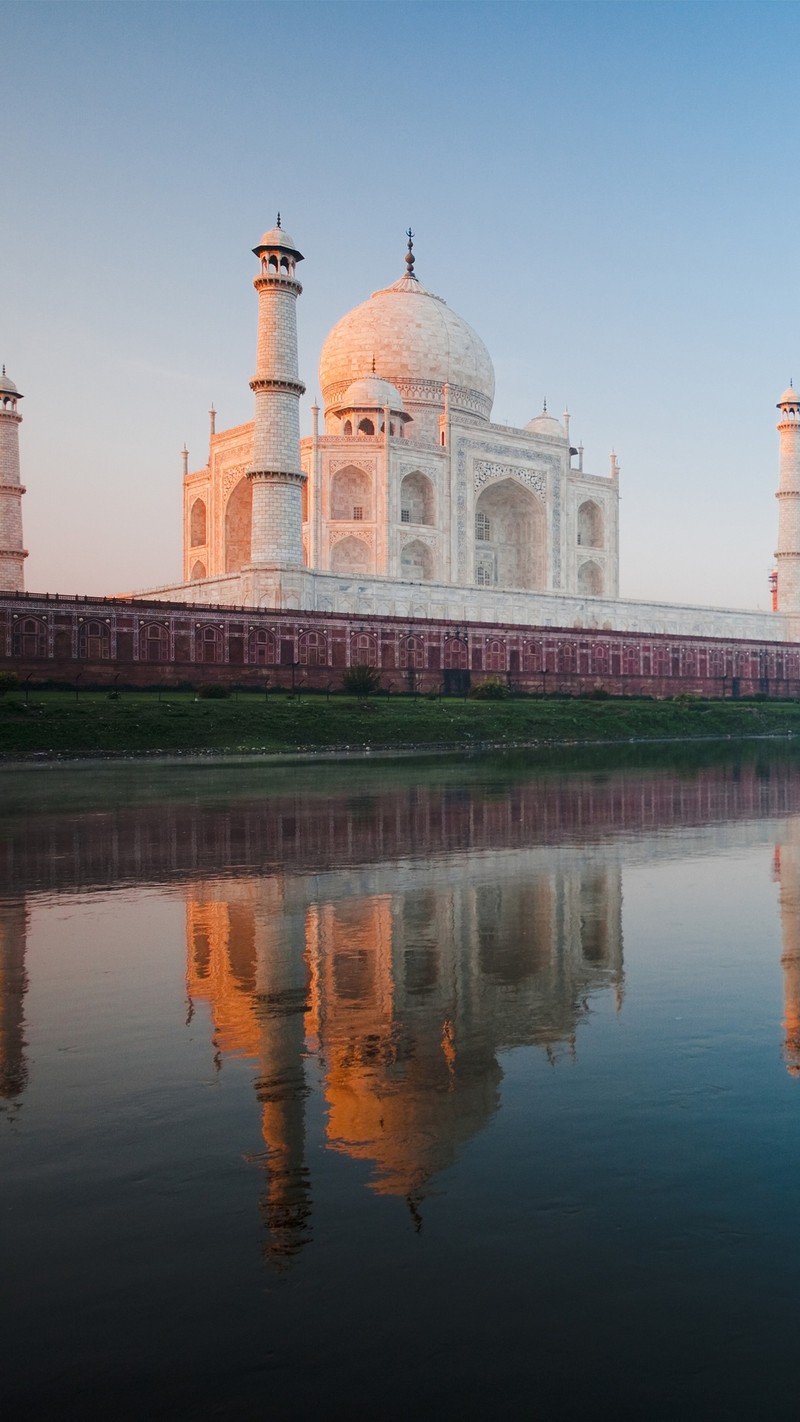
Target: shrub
(490, 689)
(599, 693)
(8, 681)
(214, 692)
(361, 681)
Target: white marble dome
(7, 386)
(789, 397)
(418, 344)
(370, 393)
(547, 425)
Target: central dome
(410, 337)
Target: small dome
(276, 237)
(7, 387)
(547, 425)
(372, 393)
(789, 397)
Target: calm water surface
(401, 1091)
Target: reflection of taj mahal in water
(405, 986)
(462, 925)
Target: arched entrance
(510, 541)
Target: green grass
(56, 723)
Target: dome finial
(278, 223)
(373, 365)
(544, 406)
(410, 254)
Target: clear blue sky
(606, 192)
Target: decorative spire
(278, 223)
(373, 364)
(410, 255)
(544, 406)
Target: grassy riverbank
(57, 723)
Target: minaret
(788, 496)
(275, 473)
(12, 553)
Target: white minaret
(788, 551)
(12, 553)
(275, 473)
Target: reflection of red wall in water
(310, 830)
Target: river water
(403, 1090)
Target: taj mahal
(408, 493)
(406, 500)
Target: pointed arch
(350, 490)
(198, 571)
(363, 649)
(312, 649)
(29, 637)
(197, 524)
(94, 640)
(209, 643)
(510, 537)
(590, 580)
(591, 533)
(417, 499)
(238, 525)
(350, 555)
(261, 647)
(416, 562)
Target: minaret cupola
(277, 252)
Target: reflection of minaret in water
(13, 984)
(787, 874)
(247, 960)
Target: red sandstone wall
(105, 642)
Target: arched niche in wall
(351, 494)
(197, 524)
(590, 580)
(416, 562)
(238, 523)
(417, 499)
(198, 571)
(510, 537)
(591, 533)
(350, 555)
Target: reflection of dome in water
(417, 343)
